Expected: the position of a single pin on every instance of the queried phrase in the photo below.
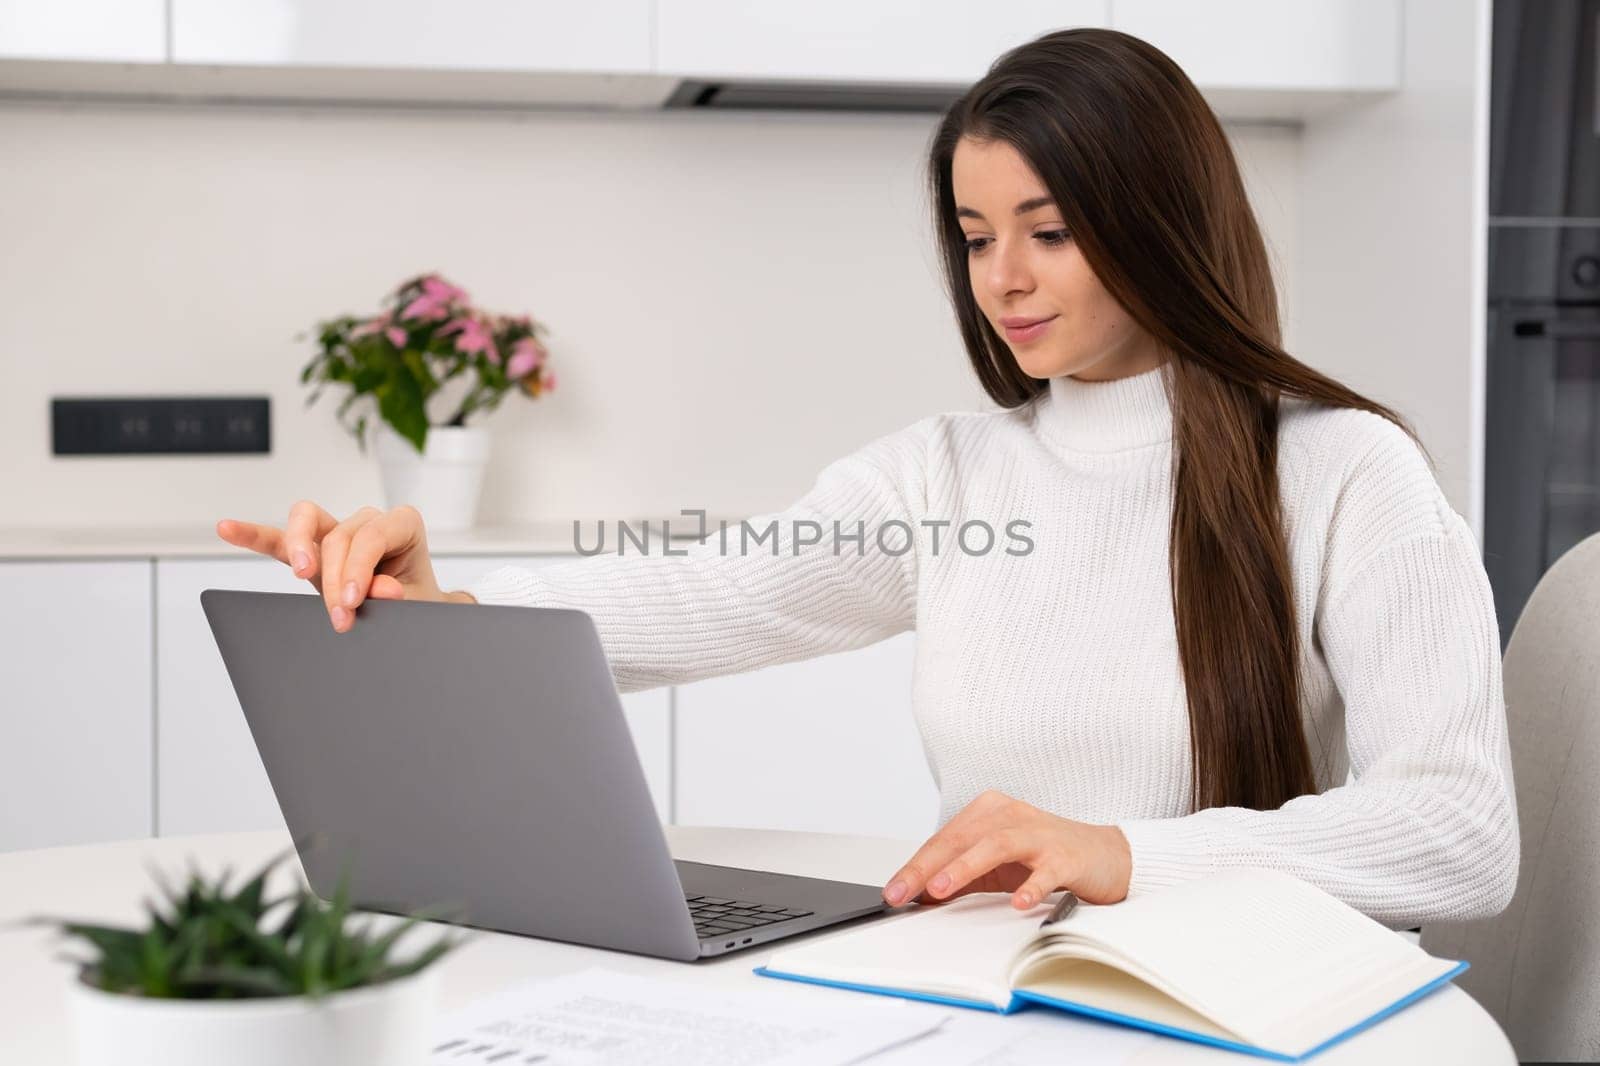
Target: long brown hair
(1148, 187)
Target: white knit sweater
(1052, 674)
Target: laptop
(474, 761)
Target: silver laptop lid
(461, 756)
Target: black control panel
(160, 425)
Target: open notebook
(1249, 959)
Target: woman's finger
(909, 881)
(988, 811)
(390, 534)
(263, 539)
(386, 587)
(1007, 877)
(335, 547)
(1045, 879)
(302, 534)
(988, 852)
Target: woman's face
(1025, 266)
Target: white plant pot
(389, 1023)
(443, 483)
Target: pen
(1063, 907)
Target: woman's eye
(1051, 238)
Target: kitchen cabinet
(151, 741)
(469, 35)
(1229, 47)
(938, 41)
(75, 699)
(825, 745)
(1346, 45)
(116, 31)
(1253, 59)
(210, 776)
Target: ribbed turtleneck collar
(1107, 416)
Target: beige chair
(1536, 966)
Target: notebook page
(1258, 951)
(963, 949)
(1106, 986)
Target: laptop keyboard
(715, 917)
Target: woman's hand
(382, 554)
(1000, 844)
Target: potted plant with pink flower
(425, 364)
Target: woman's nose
(1008, 270)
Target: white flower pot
(443, 483)
(389, 1023)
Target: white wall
(1392, 251)
(734, 299)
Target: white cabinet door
(74, 702)
(937, 41)
(826, 745)
(127, 31)
(596, 35)
(210, 776)
(1269, 44)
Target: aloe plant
(210, 943)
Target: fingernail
(349, 593)
(895, 893)
(1026, 899)
(341, 617)
(939, 884)
(301, 561)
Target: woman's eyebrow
(1021, 209)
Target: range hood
(810, 96)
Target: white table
(106, 882)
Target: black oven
(1542, 442)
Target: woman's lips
(1023, 334)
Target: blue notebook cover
(1022, 1000)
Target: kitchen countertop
(199, 540)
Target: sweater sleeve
(779, 587)
(1426, 830)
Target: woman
(1243, 583)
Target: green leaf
(155, 970)
(214, 945)
(241, 981)
(157, 919)
(189, 946)
(400, 403)
(110, 941)
(419, 962)
(367, 379)
(419, 370)
(270, 948)
(248, 898)
(295, 918)
(379, 949)
(338, 912)
(314, 952)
